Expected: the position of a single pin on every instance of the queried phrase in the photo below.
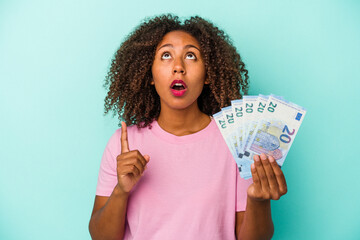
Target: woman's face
(178, 70)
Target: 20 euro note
(224, 129)
(245, 115)
(242, 164)
(237, 109)
(249, 105)
(228, 116)
(258, 110)
(253, 109)
(276, 131)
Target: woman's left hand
(268, 179)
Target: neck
(182, 122)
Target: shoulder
(132, 130)
(136, 136)
(114, 142)
(215, 135)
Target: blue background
(54, 56)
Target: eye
(190, 55)
(165, 55)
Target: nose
(179, 66)
(179, 71)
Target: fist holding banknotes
(258, 125)
(268, 179)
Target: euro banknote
(226, 131)
(237, 109)
(259, 124)
(258, 109)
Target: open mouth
(178, 85)
(178, 88)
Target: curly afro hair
(135, 100)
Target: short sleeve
(107, 178)
(241, 192)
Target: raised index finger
(124, 138)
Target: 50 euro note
(276, 131)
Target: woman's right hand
(130, 164)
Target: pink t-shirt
(191, 188)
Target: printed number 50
(286, 138)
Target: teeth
(178, 84)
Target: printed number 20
(284, 137)
(222, 123)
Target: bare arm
(268, 183)
(108, 216)
(255, 222)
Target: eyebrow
(186, 46)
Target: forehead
(179, 38)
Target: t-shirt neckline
(169, 137)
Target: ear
(152, 82)
(206, 82)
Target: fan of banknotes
(259, 124)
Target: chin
(181, 105)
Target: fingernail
(271, 159)
(253, 166)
